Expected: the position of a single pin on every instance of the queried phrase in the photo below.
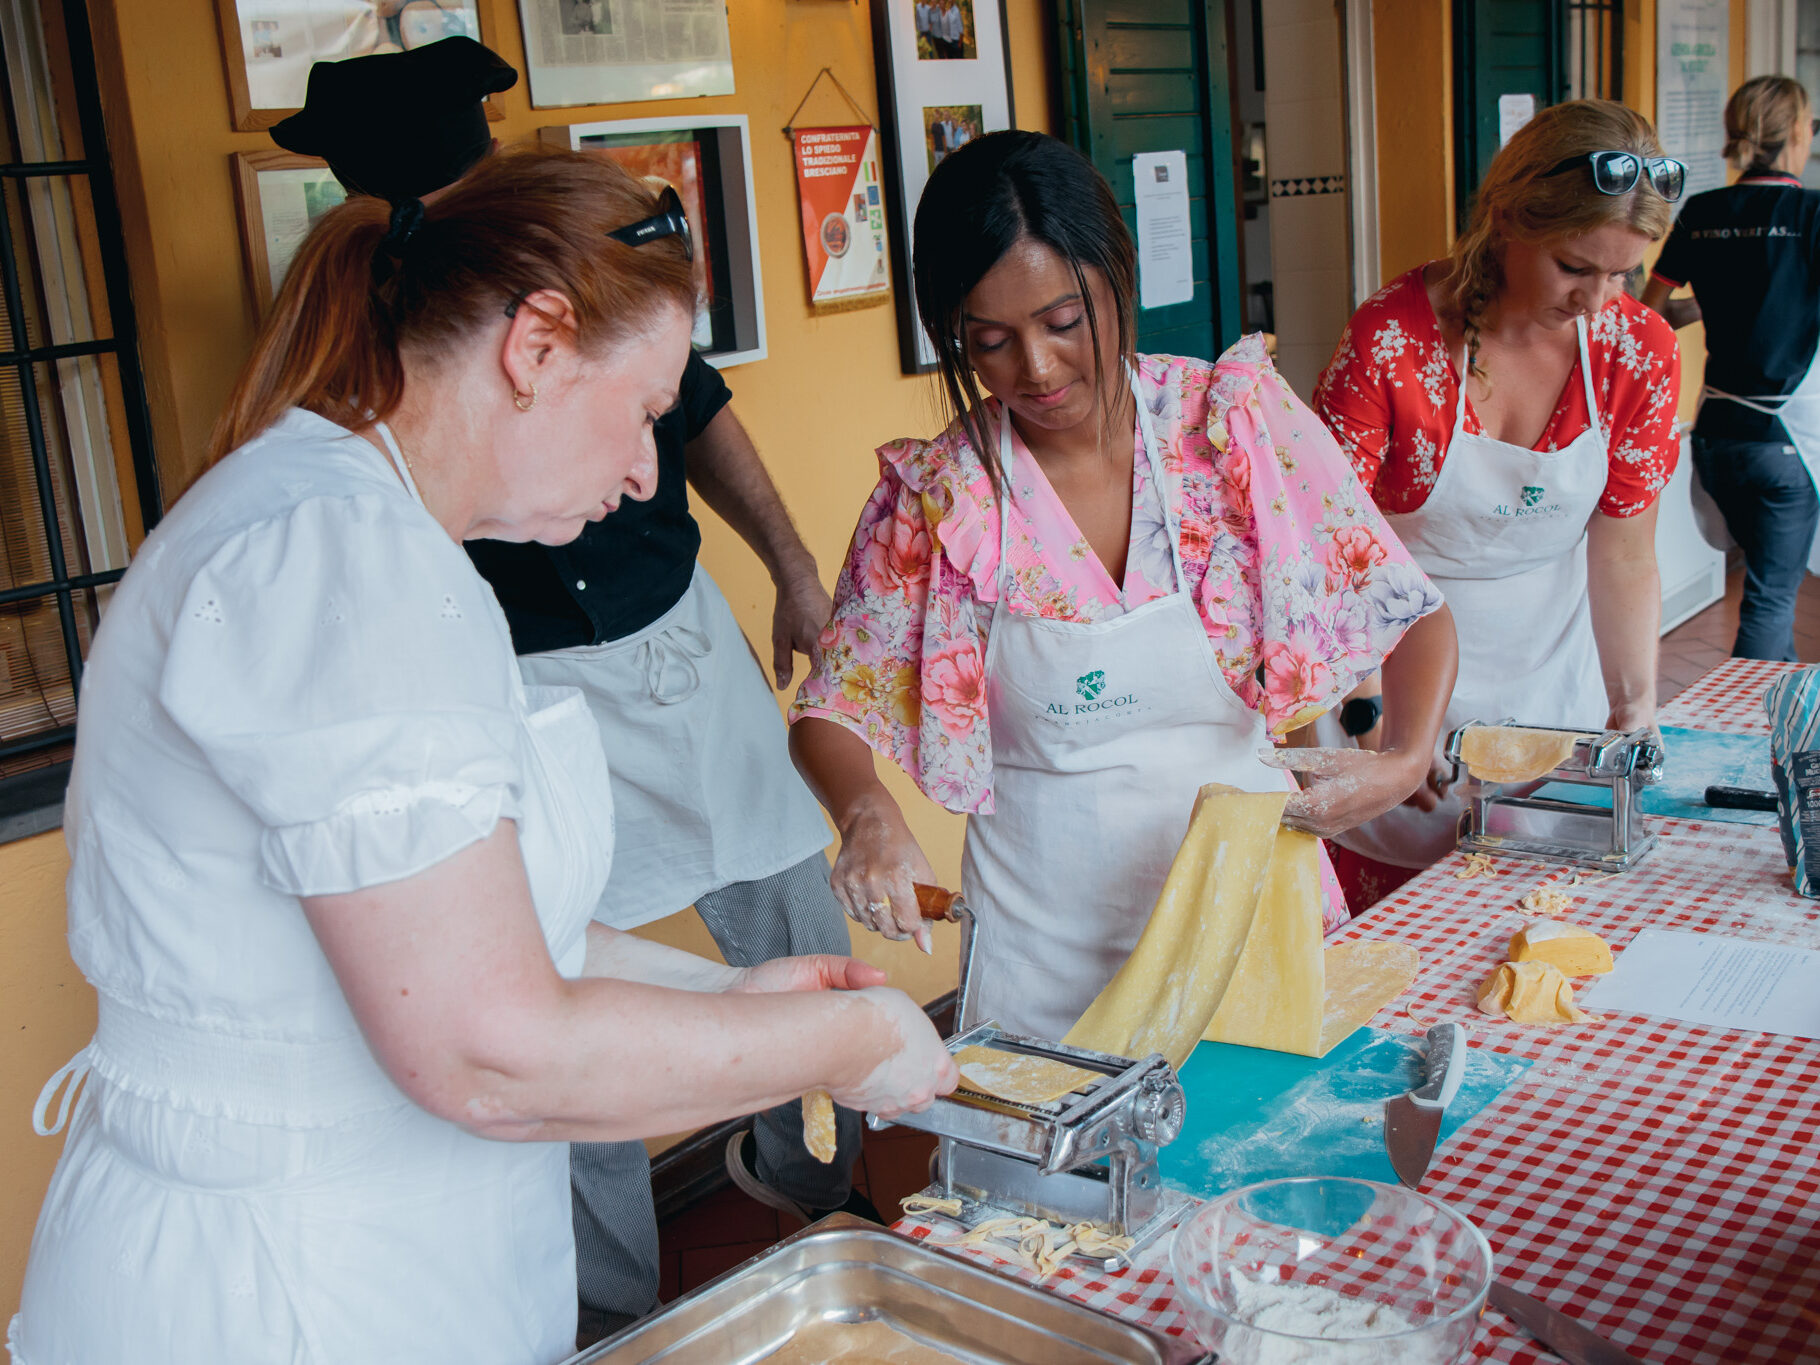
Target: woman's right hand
(913, 1066)
(876, 873)
(1434, 787)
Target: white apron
(1503, 536)
(1102, 733)
(1799, 413)
(703, 786)
(278, 1202)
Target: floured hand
(819, 972)
(1344, 787)
(916, 1066)
(876, 874)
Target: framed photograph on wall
(707, 159)
(944, 78)
(618, 51)
(270, 45)
(280, 196)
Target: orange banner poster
(837, 183)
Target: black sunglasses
(1619, 172)
(669, 221)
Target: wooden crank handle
(934, 902)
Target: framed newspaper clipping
(270, 45)
(619, 51)
(280, 195)
(707, 160)
(944, 78)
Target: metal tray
(848, 1270)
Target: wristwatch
(1360, 714)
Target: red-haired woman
(333, 863)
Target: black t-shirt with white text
(625, 570)
(1751, 251)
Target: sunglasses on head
(669, 221)
(1619, 172)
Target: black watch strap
(1360, 714)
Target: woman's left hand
(1348, 786)
(820, 972)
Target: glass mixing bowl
(1322, 1270)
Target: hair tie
(407, 217)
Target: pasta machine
(1089, 1156)
(1514, 819)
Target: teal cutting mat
(1257, 1115)
(1697, 759)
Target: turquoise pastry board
(1258, 1115)
(1697, 759)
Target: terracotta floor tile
(898, 1168)
(724, 1218)
(696, 1268)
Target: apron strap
(1152, 458)
(74, 1071)
(1760, 402)
(1592, 398)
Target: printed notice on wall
(1691, 63)
(1164, 239)
(1710, 979)
(611, 51)
(1513, 112)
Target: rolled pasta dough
(1511, 753)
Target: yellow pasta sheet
(1233, 950)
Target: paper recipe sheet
(1709, 979)
(1165, 240)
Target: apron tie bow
(678, 648)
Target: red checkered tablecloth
(1655, 1179)
(1730, 698)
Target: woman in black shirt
(1751, 251)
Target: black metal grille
(32, 369)
(1594, 34)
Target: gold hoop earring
(522, 402)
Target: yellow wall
(1412, 48)
(830, 392)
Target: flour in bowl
(1345, 1324)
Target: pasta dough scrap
(1547, 900)
(1170, 987)
(1019, 1078)
(818, 1125)
(1233, 952)
(1531, 993)
(1512, 753)
(1477, 865)
(913, 1204)
(1576, 951)
(1362, 978)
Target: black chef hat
(399, 124)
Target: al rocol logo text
(1530, 504)
(1091, 688)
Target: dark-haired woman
(333, 863)
(1512, 411)
(1109, 582)
(1751, 252)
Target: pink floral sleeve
(903, 660)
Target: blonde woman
(1751, 251)
(1512, 411)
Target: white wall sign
(1165, 241)
(1691, 87)
(1513, 112)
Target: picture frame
(268, 46)
(944, 77)
(707, 158)
(580, 52)
(279, 196)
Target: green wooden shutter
(1153, 76)
(1501, 47)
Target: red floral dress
(1390, 393)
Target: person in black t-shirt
(1751, 252)
(708, 808)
